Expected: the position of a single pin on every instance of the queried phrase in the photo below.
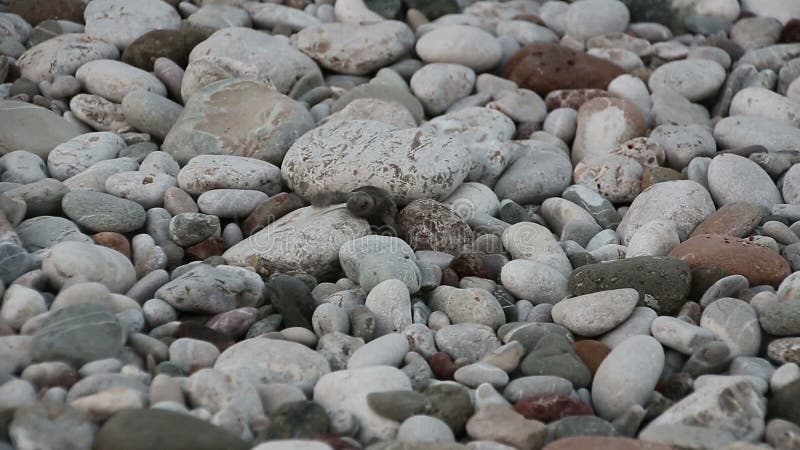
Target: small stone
(593, 314)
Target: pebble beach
(399, 225)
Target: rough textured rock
(413, 163)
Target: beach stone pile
(596, 244)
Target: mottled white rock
(424, 429)
(695, 79)
(82, 152)
(439, 85)
(594, 314)
(192, 354)
(306, 239)
(707, 417)
(347, 390)
(632, 89)
(680, 335)
(460, 44)
(410, 163)
(63, 55)
(603, 123)
(562, 123)
(246, 53)
(683, 203)
(206, 172)
(627, 376)
(121, 22)
(355, 49)
(734, 322)
(20, 303)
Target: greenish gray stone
(399, 405)
(579, 426)
(663, 283)
(388, 9)
(553, 355)
(97, 211)
(147, 429)
(296, 420)
(451, 404)
(32, 128)
(530, 333)
(78, 334)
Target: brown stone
(271, 210)
(791, 32)
(442, 366)
(212, 246)
(572, 98)
(591, 352)
(547, 67)
(733, 219)
(760, 265)
(551, 407)
(475, 264)
(653, 175)
(703, 278)
(35, 11)
(429, 225)
(173, 44)
(604, 443)
(450, 277)
(114, 241)
(188, 329)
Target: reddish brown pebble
(653, 175)
(551, 407)
(791, 32)
(591, 352)
(548, 67)
(114, 241)
(733, 219)
(335, 442)
(234, 323)
(572, 98)
(271, 210)
(212, 246)
(604, 443)
(443, 366)
(760, 265)
(450, 277)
